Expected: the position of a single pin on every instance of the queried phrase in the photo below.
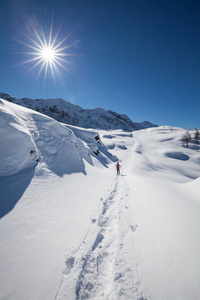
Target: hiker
(118, 168)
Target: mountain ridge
(66, 112)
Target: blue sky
(139, 58)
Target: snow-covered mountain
(70, 228)
(68, 113)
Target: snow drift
(28, 136)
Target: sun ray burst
(48, 54)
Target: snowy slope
(27, 136)
(68, 113)
(71, 229)
(163, 177)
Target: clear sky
(135, 57)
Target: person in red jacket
(118, 168)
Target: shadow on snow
(12, 188)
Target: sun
(48, 54)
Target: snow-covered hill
(28, 136)
(68, 113)
(70, 228)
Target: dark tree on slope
(186, 138)
(196, 135)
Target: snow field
(164, 158)
(70, 228)
(167, 210)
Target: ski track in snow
(105, 265)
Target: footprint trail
(105, 265)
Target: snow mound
(16, 142)
(28, 137)
(94, 144)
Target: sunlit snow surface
(70, 228)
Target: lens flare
(48, 53)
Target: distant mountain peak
(72, 114)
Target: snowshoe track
(105, 265)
